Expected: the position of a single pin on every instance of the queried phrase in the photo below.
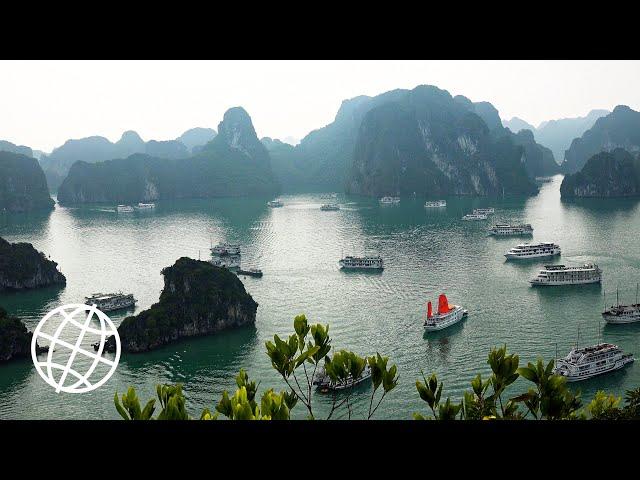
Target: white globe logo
(55, 373)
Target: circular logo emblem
(70, 366)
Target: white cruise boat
(389, 200)
(555, 275)
(537, 250)
(275, 204)
(475, 216)
(124, 209)
(447, 315)
(226, 261)
(587, 362)
(145, 206)
(361, 263)
(110, 301)
(619, 314)
(484, 211)
(225, 249)
(329, 207)
(323, 382)
(435, 204)
(506, 230)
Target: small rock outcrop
(197, 299)
(15, 339)
(23, 267)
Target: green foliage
(242, 405)
(548, 397)
(130, 408)
(22, 266)
(551, 399)
(604, 406)
(15, 340)
(606, 174)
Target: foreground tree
(297, 360)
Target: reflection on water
(426, 252)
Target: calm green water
(426, 252)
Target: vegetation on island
(427, 142)
(297, 358)
(606, 174)
(15, 340)
(234, 163)
(22, 266)
(23, 187)
(197, 299)
(619, 129)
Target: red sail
(443, 304)
(429, 312)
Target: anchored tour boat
(110, 301)
(251, 272)
(226, 261)
(275, 203)
(324, 383)
(619, 314)
(145, 206)
(361, 263)
(511, 230)
(484, 211)
(538, 250)
(447, 315)
(587, 362)
(475, 216)
(226, 249)
(435, 204)
(328, 207)
(389, 200)
(124, 209)
(562, 275)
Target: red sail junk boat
(447, 314)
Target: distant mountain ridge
(557, 135)
(619, 129)
(234, 163)
(196, 137)
(93, 149)
(516, 124)
(6, 146)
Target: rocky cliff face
(426, 142)
(539, 160)
(15, 340)
(23, 187)
(607, 174)
(234, 163)
(619, 129)
(22, 266)
(197, 299)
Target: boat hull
(457, 315)
(621, 319)
(617, 366)
(511, 256)
(535, 283)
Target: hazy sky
(44, 103)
